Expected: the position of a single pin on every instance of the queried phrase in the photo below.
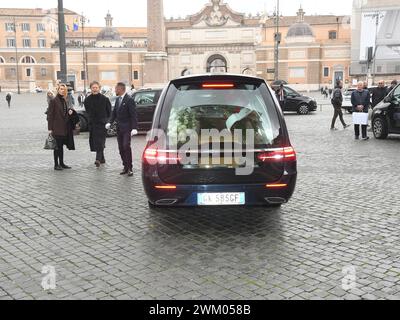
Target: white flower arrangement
(180, 121)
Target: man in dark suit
(361, 99)
(379, 93)
(125, 114)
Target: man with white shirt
(125, 114)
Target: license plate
(221, 199)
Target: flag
(76, 26)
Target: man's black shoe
(58, 168)
(65, 166)
(103, 161)
(124, 172)
(130, 173)
(97, 163)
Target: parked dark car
(299, 103)
(276, 84)
(386, 115)
(230, 103)
(146, 101)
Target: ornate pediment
(216, 14)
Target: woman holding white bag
(360, 99)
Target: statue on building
(216, 17)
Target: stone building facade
(384, 37)
(216, 39)
(109, 54)
(315, 50)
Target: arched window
(28, 60)
(2, 60)
(186, 72)
(247, 72)
(217, 63)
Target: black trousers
(363, 129)
(125, 150)
(59, 153)
(100, 155)
(338, 113)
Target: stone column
(156, 59)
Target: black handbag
(51, 143)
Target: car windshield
(290, 91)
(396, 93)
(145, 97)
(244, 106)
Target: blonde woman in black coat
(61, 123)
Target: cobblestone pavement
(96, 229)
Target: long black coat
(98, 108)
(62, 124)
(378, 95)
(73, 120)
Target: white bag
(360, 118)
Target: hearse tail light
(276, 185)
(165, 187)
(218, 86)
(154, 156)
(287, 154)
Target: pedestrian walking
(50, 96)
(61, 123)
(80, 100)
(125, 114)
(8, 99)
(330, 93)
(379, 93)
(360, 100)
(98, 108)
(337, 101)
(132, 90)
(280, 94)
(70, 98)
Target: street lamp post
(61, 39)
(84, 56)
(277, 41)
(16, 56)
(377, 17)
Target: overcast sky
(133, 12)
